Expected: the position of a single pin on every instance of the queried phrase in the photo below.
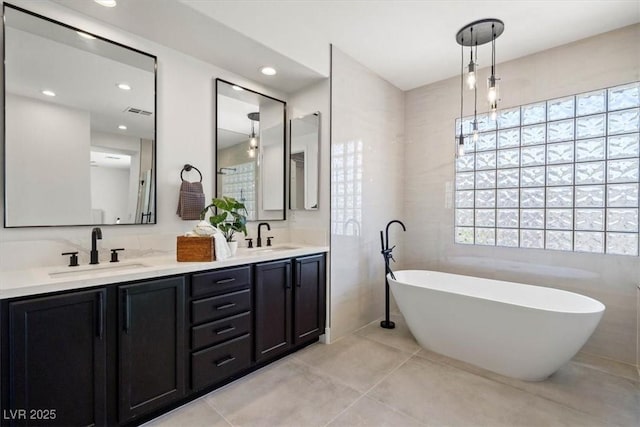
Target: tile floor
(378, 377)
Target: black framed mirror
(80, 126)
(250, 150)
(304, 149)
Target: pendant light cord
(475, 93)
(493, 51)
(461, 83)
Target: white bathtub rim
(595, 305)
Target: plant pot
(233, 245)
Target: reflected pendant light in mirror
(250, 149)
(253, 138)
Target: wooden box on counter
(195, 249)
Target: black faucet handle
(250, 244)
(114, 254)
(269, 240)
(73, 260)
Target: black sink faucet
(259, 243)
(96, 234)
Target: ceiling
(409, 43)
(82, 73)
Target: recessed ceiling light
(106, 3)
(122, 127)
(48, 92)
(85, 35)
(236, 87)
(268, 71)
(124, 86)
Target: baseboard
(326, 338)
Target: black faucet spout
(259, 240)
(387, 230)
(96, 234)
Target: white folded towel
(222, 247)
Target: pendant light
(492, 84)
(253, 139)
(460, 146)
(473, 35)
(471, 75)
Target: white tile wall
(366, 179)
(606, 60)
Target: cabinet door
(309, 299)
(58, 360)
(272, 309)
(151, 324)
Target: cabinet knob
(73, 260)
(114, 254)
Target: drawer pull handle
(225, 306)
(225, 330)
(224, 361)
(222, 281)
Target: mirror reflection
(305, 142)
(250, 146)
(79, 126)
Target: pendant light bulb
(253, 142)
(460, 148)
(471, 76)
(251, 152)
(493, 107)
(492, 89)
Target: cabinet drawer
(221, 361)
(217, 282)
(220, 330)
(215, 308)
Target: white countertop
(18, 283)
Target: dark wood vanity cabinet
(57, 360)
(125, 352)
(309, 306)
(273, 309)
(289, 304)
(151, 333)
(221, 325)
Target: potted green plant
(229, 217)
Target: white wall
(271, 182)
(47, 163)
(129, 145)
(308, 179)
(109, 192)
(367, 111)
(597, 62)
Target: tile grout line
(216, 410)
(514, 387)
(368, 390)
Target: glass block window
(346, 187)
(561, 174)
(239, 182)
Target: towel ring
(188, 168)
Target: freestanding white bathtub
(522, 331)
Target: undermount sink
(273, 249)
(100, 268)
